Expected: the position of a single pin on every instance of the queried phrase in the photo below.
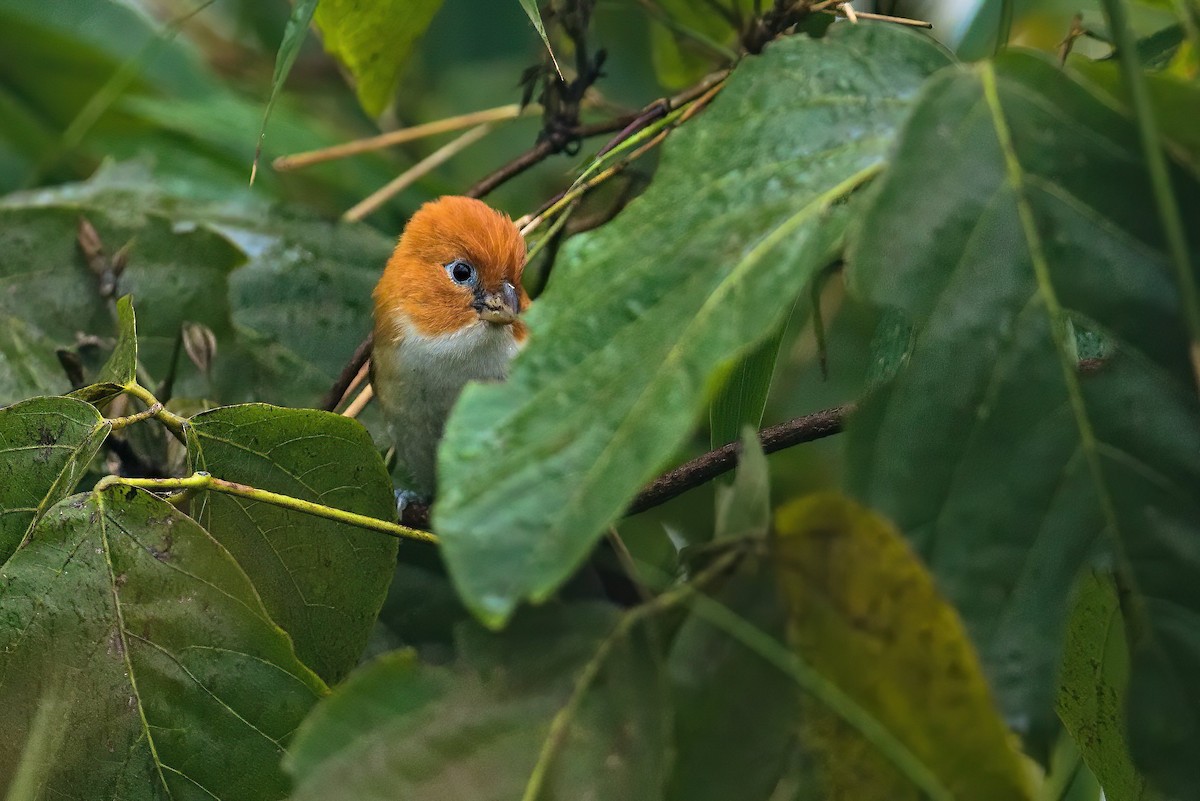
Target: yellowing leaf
(865, 613)
(374, 40)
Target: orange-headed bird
(446, 312)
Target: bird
(447, 311)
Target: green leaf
(744, 507)
(120, 371)
(1092, 688)
(151, 646)
(687, 39)
(27, 363)
(323, 581)
(45, 447)
(1176, 103)
(743, 396)
(535, 16)
(642, 312)
(477, 730)
(121, 367)
(289, 48)
(374, 40)
(1003, 463)
(736, 719)
(865, 613)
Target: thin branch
(557, 142)
(173, 422)
(912, 23)
(337, 393)
(416, 172)
(402, 135)
(536, 155)
(360, 402)
(204, 481)
(703, 469)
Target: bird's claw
(404, 497)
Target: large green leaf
(1017, 210)
(865, 613)
(323, 581)
(374, 41)
(483, 728)
(45, 447)
(641, 313)
(149, 645)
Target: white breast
(418, 378)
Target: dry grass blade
(397, 137)
(415, 173)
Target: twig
(705, 468)
(529, 224)
(539, 153)
(360, 401)
(912, 23)
(173, 422)
(204, 481)
(416, 172)
(337, 393)
(397, 137)
(557, 143)
(118, 423)
(1068, 43)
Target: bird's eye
(461, 272)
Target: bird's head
(457, 265)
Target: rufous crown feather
(448, 239)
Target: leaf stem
(118, 423)
(203, 481)
(1160, 176)
(174, 423)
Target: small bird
(446, 312)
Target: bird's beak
(502, 306)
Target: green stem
(172, 421)
(204, 481)
(1160, 176)
(118, 423)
